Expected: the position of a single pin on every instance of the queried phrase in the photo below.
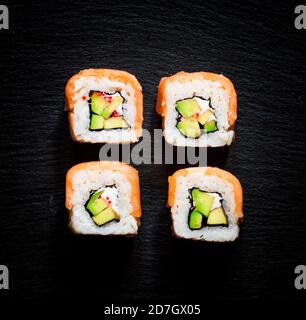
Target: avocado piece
(195, 220)
(96, 122)
(202, 201)
(105, 216)
(96, 203)
(210, 126)
(203, 118)
(108, 110)
(217, 217)
(98, 103)
(115, 123)
(189, 128)
(188, 107)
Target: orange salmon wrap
(100, 169)
(198, 174)
(165, 90)
(74, 92)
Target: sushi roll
(103, 198)
(199, 109)
(104, 106)
(206, 204)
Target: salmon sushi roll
(104, 106)
(206, 204)
(199, 109)
(103, 198)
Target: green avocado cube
(217, 217)
(188, 107)
(210, 126)
(203, 118)
(189, 128)
(202, 201)
(108, 110)
(115, 123)
(98, 103)
(195, 220)
(96, 203)
(105, 216)
(96, 122)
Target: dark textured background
(256, 45)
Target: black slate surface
(256, 45)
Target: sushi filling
(102, 205)
(196, 116)
(206, 210)
(106, 111)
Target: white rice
(86, 181)
(81, 113)
(206, 89)
(181, 208)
